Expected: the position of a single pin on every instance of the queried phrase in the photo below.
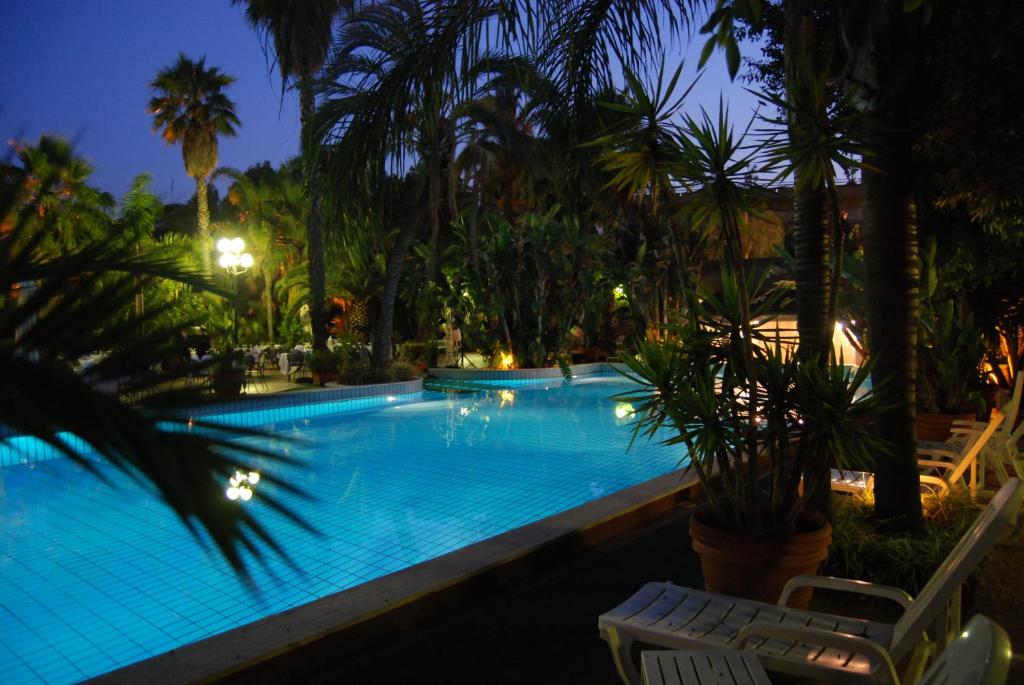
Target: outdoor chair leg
(622, 653)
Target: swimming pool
(94, 578)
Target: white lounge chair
(675, 617)
(979, 656)
(944, 468)
(1001, 454)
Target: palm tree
(885, 43)
(73, 311)
(301, 32)
(272, 211)
(394, 78)
(189, 105)
(72, 211)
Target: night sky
(80, 69)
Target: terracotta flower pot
(323, 377)
(935, 427)
(228, 383)
(758, 568)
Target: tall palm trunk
(314, 232)
(886, 41)
(891, 282)
(203, 219)
(268, 301)
(810, 230)
(434, 201)
(382, 341)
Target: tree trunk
(434, 202)
(314, 234)
(203, 219)
(891, 281)
(392, 277)
(885, 40)
(810, 231)
(268, 300)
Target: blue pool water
(94, 577)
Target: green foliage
(189, 107)
(421, 352)
(322, 361)
(566, 369)
(863, 549)
(701, 391)
(950, 351)
(533, 280)
(71, 305)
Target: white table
(702, 667)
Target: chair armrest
(936, 452)
(860, 587)
(935, 480)
(935, 464)
(876, 653)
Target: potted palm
(227, 373)
(761, 428)
(324, 366)
(755, 422)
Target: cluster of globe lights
(240, 485)
(231, 256)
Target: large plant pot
(758, 568)
(935, 427)
(324, 377)
(228, 383)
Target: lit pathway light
(235, 262)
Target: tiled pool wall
(596, 369)
(247, 413)
(266, 409)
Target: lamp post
(235, 262)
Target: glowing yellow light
(507, 361)
(623, 409)
(232, 493)
(224, 245)
(245, 494)
(507, 397)
(254, 477)
(839, 326)
(619, 292)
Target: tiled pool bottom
(93, 579)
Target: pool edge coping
(303, 639)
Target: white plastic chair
(944, 468)
(793, 641)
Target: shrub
(322, 361)
(422, 352)
(402, 371)
(861, 549)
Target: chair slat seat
(684, 618)
(806, 643)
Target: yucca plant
(755, 420)
(697, 388)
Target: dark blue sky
(80, 69)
